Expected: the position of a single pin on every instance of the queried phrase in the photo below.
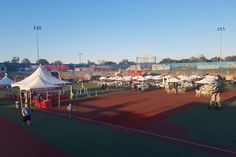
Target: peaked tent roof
(37, 84)
(6, 81)
(173, 79)
(44, 75)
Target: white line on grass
(149, 133)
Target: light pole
(37, 28)
(80, 58)
(220, 29)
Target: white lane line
(149, 133)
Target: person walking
(212, 103)
(70, 110)
(132, 85)
(26, 113)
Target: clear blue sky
(116, 29)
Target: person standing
(26, 113)
(218, 102)
(212, 103)
(70, 110)
(132, 85)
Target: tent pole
(46, 95)
(30, 98)
(71, 93)
(26, 97)
(59, 97)
(20, 99)
(11, 93)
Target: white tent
(42, 80)
(44, 75)
(205, 81)
(173, 80)
(102, 78)
(38, 84)
(6, 81)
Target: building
(146, 60)
(3, 69)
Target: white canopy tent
(40, 80)
(173, 80)
(102, 78)
(6, 81)
(44, 74)
(38, 84)
(208, 80)
(205, 81)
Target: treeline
(201, 58)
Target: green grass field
(213, 127)
(85, 139)
(80, 138)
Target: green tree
(91, 63)
(25, 61)
(230, 58)
(184, 61)
(109, 62)
(167, 60)
(126, 61)
(193, 59)
(215, 59)
(202, 58)
(57, 62)
(15, 60)
(42, 62)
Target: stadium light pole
(37, 28)
(220, 29)
(80, 58)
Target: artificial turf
(209, 126)
(80, 138)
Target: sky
(113, 30)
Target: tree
(15, 60)
(42, 62)
(193, 59)
(57, 62)
(215, 59)
(230, 58)
(25, 61)
(202, 58)
(184, 61)
(126, 61)
(91, 63)
(167, 60)
(109, 62)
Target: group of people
(215, 101)
(26, 113)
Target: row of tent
(197, 79)
(39, 80)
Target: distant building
(146, 60)
(3, 69)
(160, 67)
